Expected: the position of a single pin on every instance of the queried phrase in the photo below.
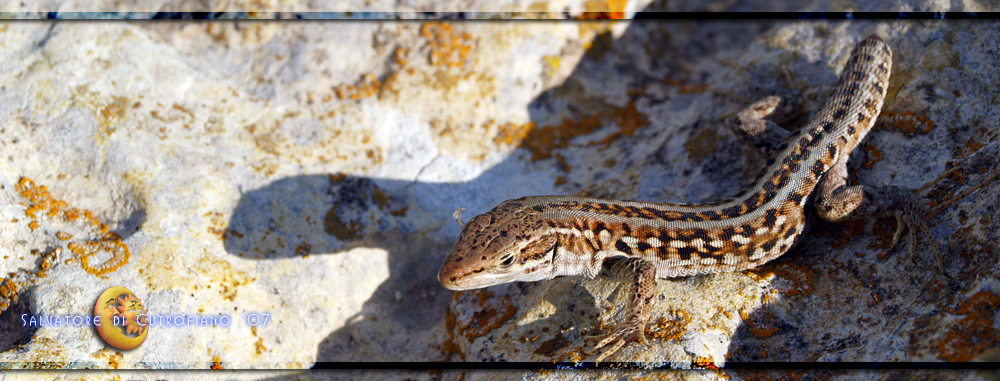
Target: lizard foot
(912, 216)
(619, 336)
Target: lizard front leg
(641, 274)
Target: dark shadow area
(13, 332)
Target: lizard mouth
(465, 280)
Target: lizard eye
(508, 261)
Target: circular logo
(123, 321)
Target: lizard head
(506, 244)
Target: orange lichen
(974, 333)
(368, 86)
(335, 226)
(448, 48)
(449, 347)
(684, 87)
(543, 141)
(303, 250)
(260, 345)
(64, 236)
(115, 360)
(173, 114)
(873, 156)
(8, 293)
(40, 201)
(907, 122)
(48, 260)
(8, 288)
(217, 224)
(666, 329)
(762, 325)
(111, 243)
(216, 363)
(401, 212)
(488, 319)
(604, 10)
(400, 56)
(705, 363)
(800, 276)
(512, 133)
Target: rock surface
(309, 171)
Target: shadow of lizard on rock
(355, 211)
(349, 211)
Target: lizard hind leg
(750, 125)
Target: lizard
(541, 237)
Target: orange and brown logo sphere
(123, 321)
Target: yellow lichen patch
(463, 140)
(156, 262)
(64, 236)
(368, 86)
(217, 224)
(552, 64)
(975, 332)
(39, 201)
(352, 148)
(173, 114)
(111, 114)
(628, 119)
(512, 133)
(448, 48)
(221, 271)
(108, 113)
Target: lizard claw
(617, 338)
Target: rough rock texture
(309, 171)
